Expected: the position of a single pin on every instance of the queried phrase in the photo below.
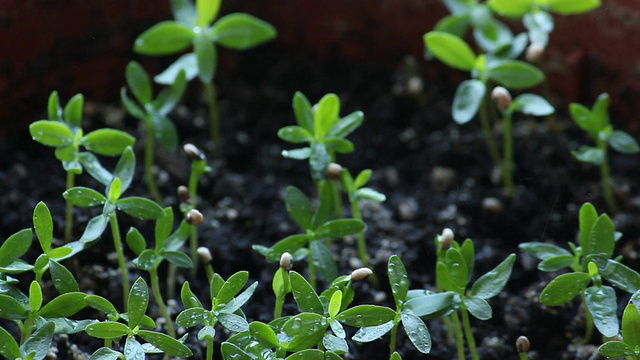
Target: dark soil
(435, 175)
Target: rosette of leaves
(226, 301)
(194, 26)
(597, 124)
(453, 273)
(591, 261)
(629, 346)
(111, 201)
(137, 325)
(63, 131)
(153, 112)
(536, 16)
(471, 95)
(317, 227)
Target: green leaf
(362, 179)
(568, 7)
(136, 241)
(51, 133)
(618, 274)
(457, 270)
(92, 165)
(207, 11)
(515, 74)
(137, 302)
(240, 31)
(140, 207)
(232, 351)
(171, 95)
(167, 37)
(125, 168)
(95, 228)
(416, 331)
(532, 104)
(468, 251)
(165, 131)
(264, 334)
(338, 228)
(15, 246)
(319, 159)
(84, 197)
(132, 107)
(295, 134)
(326, 114)
(139, 82)
(492, 283)
(101, 304)
(290, 244)
(398, 279)
(109, 142)
(39, 342)
(189, 299)
(232, 286)
(323, 260)
(238, 301)
(616, 349)
(543, 251)
(601, 237)
(104, 353)
(311, 354)
(539, 25)
(338, 145)
(346, 125)
(510, 8)
(133, 349)
(179, 259)
(603, 306)
(631, 325)
(302, 110)
(335, 303)
(107, 330)
(431, 306)
(623, 142)
(192, 317)
(478, 307)
(395, 356)
(53, 107)
(147, 260)
(65, 305)
(299, 207)
(453, 24)
(63, 279)
(333, 343)
(467, 100)
(589, 154)
(11, 309)
(450, 49)
(306, 329)
(187, 63)
(166, 343)
(43, 223)
(207, 58)
(372, 333)
(564, 288)
(233, 322)
(9, 348)
(584, 119)
(73, 111)
(556, 263)
(366, 315)
(304, 294)
(35, 296)
(297, 154)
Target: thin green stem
(209, 270)
(68, 217)
(117, 243)
(606, 180)
(507, 157)
(155, 288)
(523, 355)
(312, 268)
(148, 165)
(394, 335)
(362, 244)
(486, 129)
(448, 326)
(469, 334)
(589, 326)
(210, 349)
(171, 281)
(193, 236)
(459, 336)
(214, 117)
(277, 310)
(25, 329)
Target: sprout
(193, 152)
(501, 97)
(194, 217)
(184, 195)
(446, 238)
(361, 274)
(534, 53)
(205, 254)
(286, 261)
(522, 344)
(334, 171)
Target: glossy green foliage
(63, 131)
(629, 346)
(356, 189)
(153, 111)
(323, 131)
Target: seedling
(453, 272)
(137, 325)
(63, 131)
(598, 126)
(317, 227)
(116, 184)
(226, 301)
(36, 347)
(167, 247)
(281, 284)
(356, 191)
(629, 346)
(153, 112)
(193, 25)
(523, 345)
(528, 104)
(471, 95)
(590, 261)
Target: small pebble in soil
(442, 178)
(355, 262)
(492, 205)
(408, 209)
(391, 176)
(449, 213)
(379, 297)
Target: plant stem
(448, 325)
(394, 335)
(148, 165)
(210, 349)
(588, 321)
(312, 268)
(171, 281)
(214, 117)
(606, 180)
(523, 355)
(469, 335)
(117, 243)
(459, 337)
(362, 244)
(209, 270)
(507, 157)
(25, 329)
(486, 129)
(68, 217)
(193, 236)
(155, 288)
(277, 310)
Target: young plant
(63, 131)
(36, 347)
(522, 346)
(167, 247)
(226, 301)
(590, 261)
(281, 284)
(598, 126)
(153, 112)
(528, 104)
(471, 95)
(453, 272)
(116, 184)
(629, 346)
(357, 191)
(195, 26)
(317, 227)
(137, 325)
